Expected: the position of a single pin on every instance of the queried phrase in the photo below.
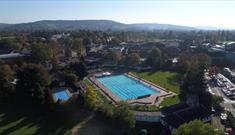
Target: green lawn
(170, 101)
(165, 79)
(24, 121)
(19, 121)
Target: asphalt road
(227, 103)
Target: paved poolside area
(153, 99)
(108, 93)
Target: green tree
(10, 44)
(86, 41)
(90, 97)
(49, 99)
(216, 100)
(112, 57)
(132, 60)
(184, 61)
(71, 78)
(77, 45)
(194, 83)
(197, 127)
(33, 81)
(53, 49)
(6, 77)
(125, 117)
(41, 53)
(155, 58)
(231, 121)
(203, 59)
(121, 115)
(80, 69)
(188, 61)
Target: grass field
(22, 122)
(165, 79)
(170, 101)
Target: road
(227, 103)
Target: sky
(217, 13)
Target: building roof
(10, 55)
(148, 113)
(179, 117)
(231, 43)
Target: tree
(9, 44)
(6, 77)
(132, 60)
(125, 116)
(80, 69)
(121, 115)
(216, 100)
(77, 45)
(188, 62)
(86, 41)
(213, 71)
(197, 127)
(203, 59)
(184, 61)
(33, 82)
(194, 83)
(155, 58)
(54, 50)
(231, 121)
(41, 53)
(49, 99)
(112, 57)
(71, 78)
(90, 97)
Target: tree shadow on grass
(98, 126)
(37, 122)
(174, 80)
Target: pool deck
(108, 93)
(153, 99)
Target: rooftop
(179, 117)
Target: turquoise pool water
(61, 94)
(125, 87)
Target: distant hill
(207, 28)
(66, 25)
(90, 25)
(3, 25)
(158, 26)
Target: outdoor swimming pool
(126, 87)
(61, 94)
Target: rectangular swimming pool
(61, 94)
(126, 87)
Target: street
(227, 103)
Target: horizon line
(214, 27)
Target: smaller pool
(62, 94)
